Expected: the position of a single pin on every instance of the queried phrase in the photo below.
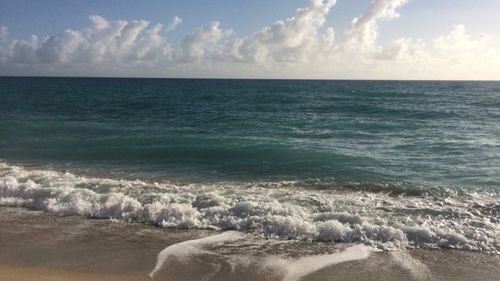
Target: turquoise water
(430, 133)
(384, 163)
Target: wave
(281, 210)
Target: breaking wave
(281, 210)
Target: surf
(273, 210)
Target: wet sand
(45, 274)
(37, 246)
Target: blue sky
(423, 20)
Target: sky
(304, 39)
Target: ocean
(389, 164)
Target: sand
(37, 246)
(45, 274)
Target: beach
(309, 140)
(276, 180)
(38, 246)
(44, 274)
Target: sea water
(391, 164)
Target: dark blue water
(424, 133)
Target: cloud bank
(300, 46)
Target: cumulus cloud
(98, 22)
(174, 23)
(61, 48)
(203, 40)
(23, 51)
(292, 39)
(3, 32)
(460, 52)
(459, 41)
(406, 49)
(301, 45)
(105, 41)
(363, 32)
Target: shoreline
(39, 246)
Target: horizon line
(248, 78)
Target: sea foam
(274, 210)
(265, 266)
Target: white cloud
(406, 49)
(23, 51)
(460, 53)
(61, 48)
(459, 41)
(151, 46)
(115, 42)
(174, 23)
(202, 41)
(98, 22)
(293, 39)
(363, 31)
(300, 46)
(4, 31)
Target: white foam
(296, 269)
(275, 210)
(286, 269)
(418, 270)
(190, 248)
